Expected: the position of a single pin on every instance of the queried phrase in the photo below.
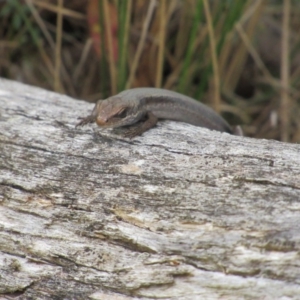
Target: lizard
(145, 106)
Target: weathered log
(179, 213)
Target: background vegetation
(240, 57)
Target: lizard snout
(101, 121)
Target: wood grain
(179, 213)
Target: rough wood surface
(179, 213)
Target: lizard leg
(150, 122)
(86, 120)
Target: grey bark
(179, 213)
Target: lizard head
(112, 112)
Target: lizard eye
(122, 113)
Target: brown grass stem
(64, 11)
(108, 33)
(141, 43)
(57, 82)
(284, 74)
(213, 50)
(161, 44)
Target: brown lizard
(146, 105)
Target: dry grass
(239, 57)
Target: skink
(145, 106)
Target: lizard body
(147, 105)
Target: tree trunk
(179, 213)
